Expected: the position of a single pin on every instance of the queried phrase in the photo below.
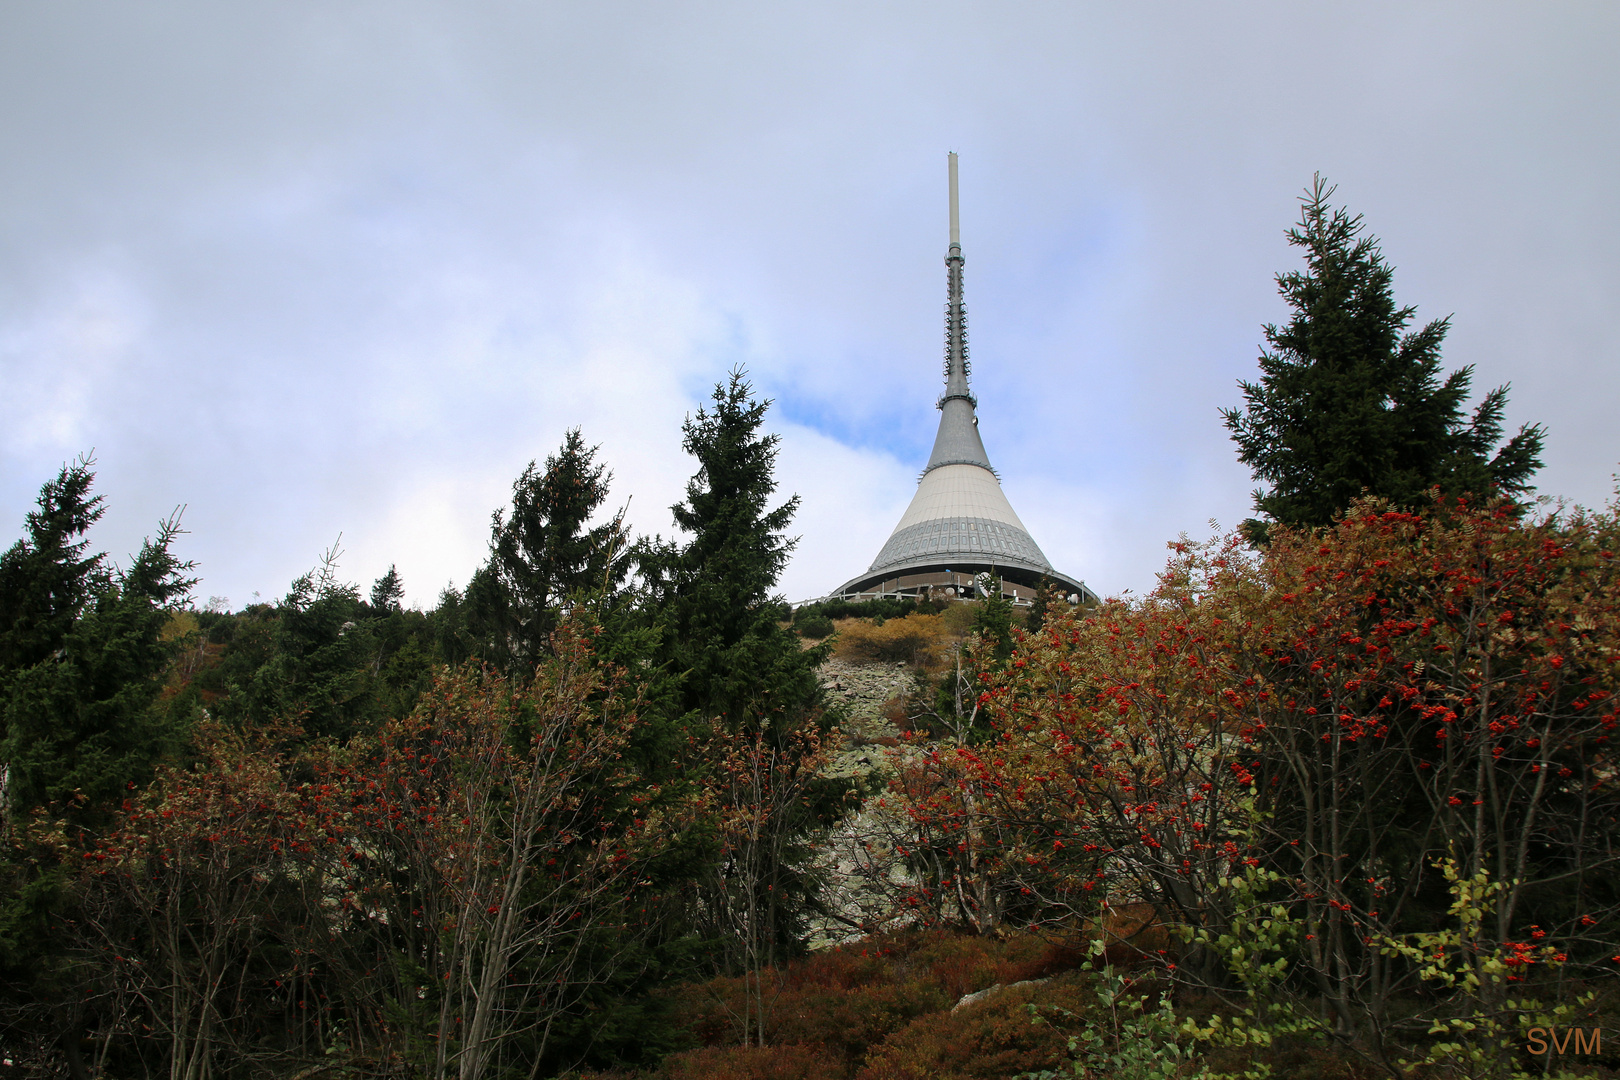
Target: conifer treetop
(1351, 401)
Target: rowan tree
(757, 792)
(492, 848)
(1356, 712)
(1440, 687)
(193, 925)
(447, 891)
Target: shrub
(887, 608)
(960, 617)
(1444, 680)
(815, 626)
(838, 1004)
(915, 639)
(843, 1000)
(964, 963)
(787, 1062)
(989, 1040)
(1132, 1034)
(848, 1023)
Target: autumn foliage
(1360, 785)
(881, 1009)
(426, 892)
(1345, 711)
(920, 639)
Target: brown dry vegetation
(924, 641)
(915, 639)
(879, 1009)
(882, 1009)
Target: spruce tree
(743, 677)
(387, 592)
(47, 578)
(741, 665)
(1350, 400)
(542, 556)
(82, 654)
(316, 668)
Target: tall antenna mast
(956, 346)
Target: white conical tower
(959, 525)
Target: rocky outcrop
(856, 861)
(977, 996)
(864, 690)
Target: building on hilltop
(960, 536)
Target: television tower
(960, 535)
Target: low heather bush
(838, 1004)
(991, 1039)
(777, 1062)
(915, 639)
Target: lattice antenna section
(956, 336)
(958, 367)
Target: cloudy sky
(323, 268)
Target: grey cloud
(316, 268)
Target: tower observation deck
(960, 535)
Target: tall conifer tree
(745, 683)
(742, 665)
(1349, 399)
(82, 658)
(47, 578)
(81, 653)
(543, 554)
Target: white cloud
(850, 501)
